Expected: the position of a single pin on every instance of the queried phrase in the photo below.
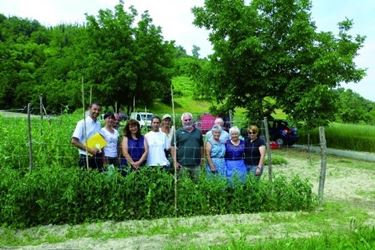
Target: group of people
(227, 155)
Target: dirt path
(349, 181)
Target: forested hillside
(127, 63)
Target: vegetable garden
(55, 192)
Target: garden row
(57, 195)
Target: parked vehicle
(205, 122)
(282, 133)
(144, 118)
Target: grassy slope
(346, 220)
(184, 102)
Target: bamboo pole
(84, 121)
(30, 137)
(269, 155)
(323, 163)
(174, 153)
(90, 100)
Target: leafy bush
(56, 195)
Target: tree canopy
(271, 50)
(118, 59)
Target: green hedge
(58, 195)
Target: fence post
(269, 156)
(323, 163)
(41, 107)
(30, 138)
(84, 120)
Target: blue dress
(217, 155)
(136, 148)
(234, 159)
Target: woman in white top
(111, 136)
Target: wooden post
(134, 103)
(323, 163)
(30, 137)
(230, 118)
(309, 147)
(174, 155)
(90, 94)
(269, 156)
(84, 121)
(41, 107)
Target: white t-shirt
(92, 127)
(110, 150)
(157, 143)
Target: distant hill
(183, 98)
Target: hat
(166, 116)
(109, 114)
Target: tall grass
(344, 136)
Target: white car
(144, 118)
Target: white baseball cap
(166, 116)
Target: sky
(176, 20)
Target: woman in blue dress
(234, 156)
(134, 146)
(215, 152)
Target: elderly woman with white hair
(234, 156)
(215, 152)
(224, 136)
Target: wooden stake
(323, 163)
(30, 137)
(269, 156)
(84, 121)
(41, 107)
(174, 153)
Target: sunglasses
(251, 133)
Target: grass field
(355, 137)
(345, 221)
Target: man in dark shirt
(187, 147)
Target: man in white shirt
(158, 144)
(224, 136)
(85, 129)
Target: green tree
(271, 49)
(195, 51)
(127, 61)
(22, 44)
(353, 108)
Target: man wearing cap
(157, 145)
(111, 135)
(167, 127)
(84, 130)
